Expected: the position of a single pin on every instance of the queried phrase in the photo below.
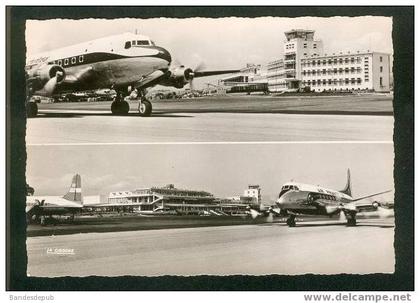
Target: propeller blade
(49, 87)
(199, 66)
(254, 213)
(342, 217)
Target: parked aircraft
(38, 207)
(298, 198)
(124, 62)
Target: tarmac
(244, 119)
(323, 247)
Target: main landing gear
(31, 109)
(291, 221)
(351, 220)
(119, 106)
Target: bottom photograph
(210, 209)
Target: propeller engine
(44, 79)
(181, 75)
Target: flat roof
(344, 55)
(299, 31)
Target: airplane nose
(282, 199)
(164, 54)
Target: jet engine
(45, 78)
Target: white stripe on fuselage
(111, 44)
(319, 190)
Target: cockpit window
(143, 42)
(127, 45)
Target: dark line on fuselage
(92, 58)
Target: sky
(218, 43)
(224, 170)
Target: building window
(381, 69)
(305, 45)
(380, 81)
(380, 58)
(314, 45)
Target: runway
(206, 127)
(271, 248)
(221, 119)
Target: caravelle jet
(39, 207)
(297, 198)
(124, 62)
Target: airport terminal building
(306, 65)
(170, 200)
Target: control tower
(299, 44)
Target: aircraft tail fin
(75, 191)
(347, 189)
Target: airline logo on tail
(75, 191)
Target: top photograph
(167, 80)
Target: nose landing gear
(145, 107)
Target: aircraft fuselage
(111, 62)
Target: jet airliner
(124, 62)
(298, 198)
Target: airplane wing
(198, 74)
(83, 75)
(372, 195)
(55, 202)
(150, 79)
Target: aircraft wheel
(120, 107)
(351, 221)
(115, 107)
(31, 109)
(291, 221)
(125, 107)
(145, 108)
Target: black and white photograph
(223, 146)
(211, 210)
